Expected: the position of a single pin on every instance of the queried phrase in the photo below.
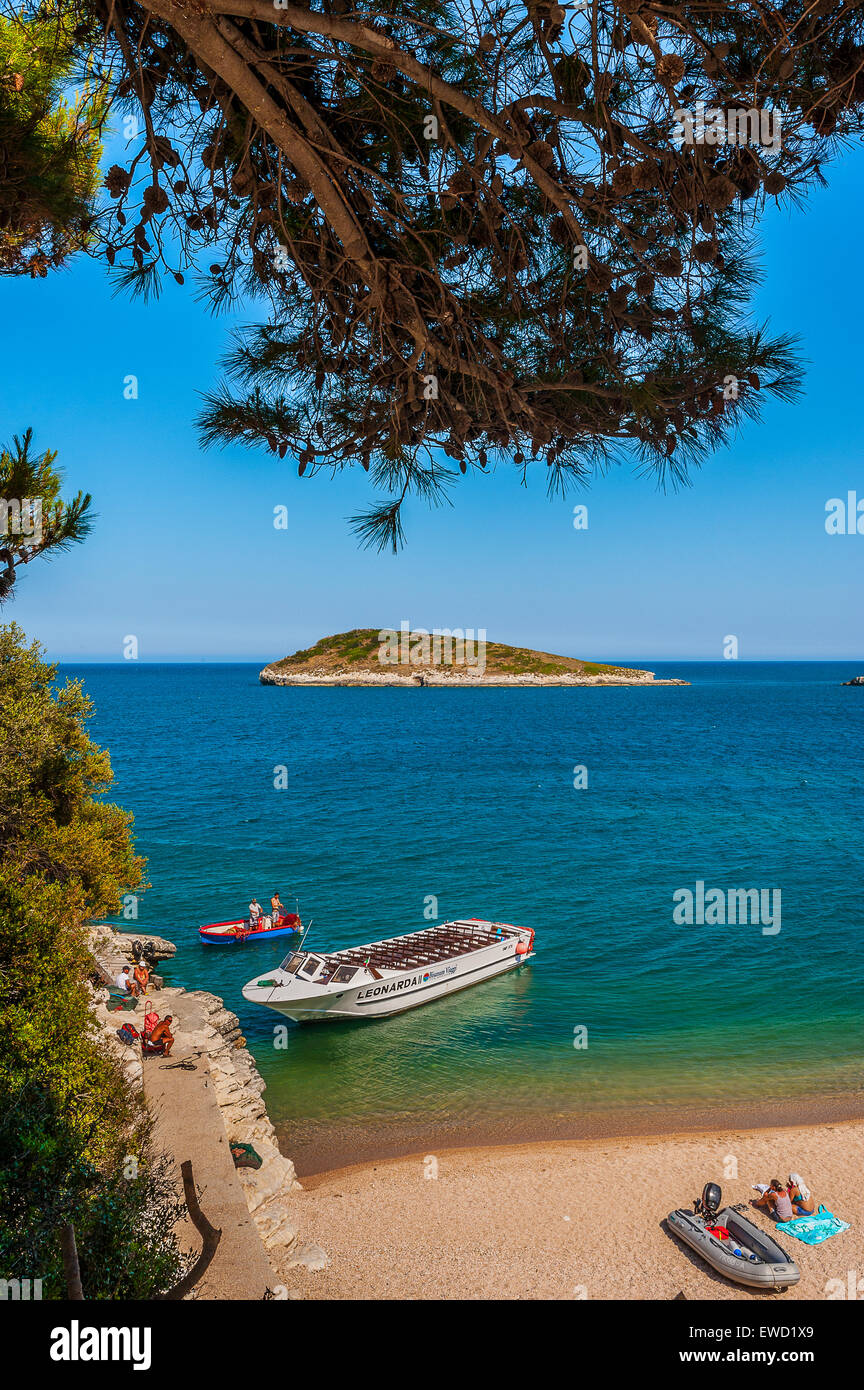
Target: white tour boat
(387, 977)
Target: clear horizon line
(255, 661)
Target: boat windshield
(292, 962)
(310, 965)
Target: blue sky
(185, 556)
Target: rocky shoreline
(434, 676)
(205, 1030)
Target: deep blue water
(750, 777)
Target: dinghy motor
(708, 1204)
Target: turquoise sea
(401, 801)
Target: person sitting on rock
(141, 976)
(162, 1037)
(125, 982)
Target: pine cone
(670, 67)
(720, 192)
(599, 278)
(669, 262)
(747, 182)
(212, 157)
(117, 181)
(618, 300)
(155, 200)
(543, 152)
(645, 174)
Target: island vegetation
(383, 656)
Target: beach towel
(813, 1229)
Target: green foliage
(50, 143)
(482, 231)
(555, 278)
(361, 645)
(25, 478)
(68, 1121)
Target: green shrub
(75, 1142)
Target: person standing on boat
(276, 908)
(254, 914)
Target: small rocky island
(442, 657)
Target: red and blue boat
(235, 933)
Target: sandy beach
(569, 1220)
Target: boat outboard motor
(709, 1202)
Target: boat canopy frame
(415, 950)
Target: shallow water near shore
(749, 778)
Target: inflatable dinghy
(746, 1254)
